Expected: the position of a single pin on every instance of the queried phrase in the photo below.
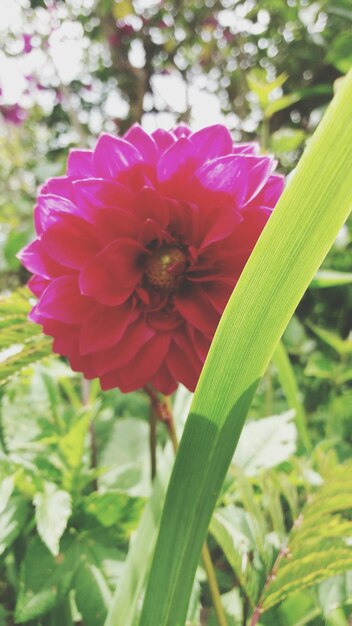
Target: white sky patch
(116, 106)
(66, 54)
(12, 81)
(205, 108)
(10, 15)
(171, 89)
(64, 62)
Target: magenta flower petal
(145, 144)
(128, 346)
(164, 381)
(271, 192)
(36, 260)
(71, 241)
(80, 164)
(195, 307)
(48, 210)
(104, 327)
(214, 141)
(180, 367)
(260, 169)
(63, 301)
(59, 186)
(139, 247)
(227, 175)
(114, 224)
(113, 155)
(37, 285)
(163, 140)
(150, 357)
(150, 205)
(95, 193)
(178, 162)
(111, 276)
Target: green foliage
(296, 240)
(79, 514)
(318, 546)
(21, 341)
(44, 580)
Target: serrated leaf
(12, 519)
(318, 546)
(52, 511)
(266, 443)
(24, 340)
(72, 443)
(44, 580)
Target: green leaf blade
(299, 234)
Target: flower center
(164, 267)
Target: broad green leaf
(335, 592)
(290, 388)
(337, 617)
(115, 508)
(12, 519)
(93, 595)
(330, 278)
(233, 530)
(126, 458)
(44, 580)
(52, 511)
(299, 609)
(123, 608)
(299, 234)
(266, 443)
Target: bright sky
(66, 61)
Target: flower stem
(163, 410)
(152, 441)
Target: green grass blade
(303, 227)
(289, 385)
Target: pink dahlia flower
(139, 247)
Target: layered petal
(63, 301)
(212, 142)
(111, 276)
(113, 155)
(195, 307)
(139, 247)
(70, 240)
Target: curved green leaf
(303, 227)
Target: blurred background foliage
(69, 70)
